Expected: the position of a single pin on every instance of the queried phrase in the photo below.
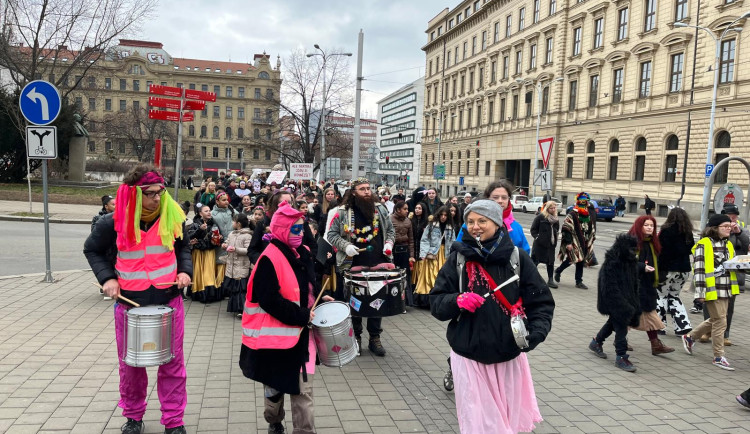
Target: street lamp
(717, 60)
(539, 89)
(325, 57)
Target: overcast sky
(237, 29)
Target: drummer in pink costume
(277, 347)
(139, 252)
(494, 389)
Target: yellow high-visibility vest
(708, 254)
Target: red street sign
(164, 115)
(199, 94)
(165, 90)
(194, 105)
(154, 101)
(157, 153)
(545, 145)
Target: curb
(61, 272)
(13, 218)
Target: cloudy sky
(237, 29)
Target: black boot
(276, 428)
(376, 347)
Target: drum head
(331, 313)
(149, 310)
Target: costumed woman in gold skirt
(419, 220)
(435, 245)
(204, 255)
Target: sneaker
(551, 283)
(704, 339)
(596, 347)
(727, 342)
(359, 345)
(376, 347)
(623, 362)
(581, 285)
(557, 276)
(176, 430)
(276, 428)
(722, 363)
(133, 426)
(743, 402)
(687, 343)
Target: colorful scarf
(583, 240)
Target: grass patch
(72, 195)
(28, 214)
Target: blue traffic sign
(460, 180)
(709, 169)
(40, 102)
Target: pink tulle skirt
(494, 399)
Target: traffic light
(387, 160)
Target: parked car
(517, 201)
(462, 193)
(536, 202)
(605, 210)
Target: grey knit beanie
(488, 208)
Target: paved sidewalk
(58, 372)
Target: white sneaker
(722, 363)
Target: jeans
(579, 269)
(621, 335)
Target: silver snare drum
(148, 336)
(334, 335)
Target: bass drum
(375, 293)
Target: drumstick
(325, 284)
(166, 283)
(120, 297)
(507, 282)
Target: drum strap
(461, 262)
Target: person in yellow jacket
(713, 285)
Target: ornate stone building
(612, 80)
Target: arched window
(256, 133)
(451, 155)
(263, 75)
(191, 131)
(590, 147)
(672, 143)
(640, 144)
(443, 155)
(433, 156)
(204, 131)
(240, 133)
(269, 94)
(268, 134)
(477, 153)
(216, 133)
(723, 139)
(570, 148)
(228, 133)
(614, 145)
(459, 155)
(468, 154)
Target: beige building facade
(612, 81)
(238, 129)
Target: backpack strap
(460, 262)
(515, 261)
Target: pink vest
(146, 263)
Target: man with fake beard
(361, 222)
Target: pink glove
(470, 301)
(387, 250)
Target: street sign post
(543, 178)
(709, 169)
(40, 104)
(545, 145)
(460, 180)
(728, 194)
(440, 171)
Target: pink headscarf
(282, 221)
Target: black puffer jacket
(618, 294)
(676, 249)
(545, 236)
(646, 287)
(101, 252)
(485, 335)
(203, 237)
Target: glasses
(153, 193)
(725, 226)
(296, 229)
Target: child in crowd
(238, 264)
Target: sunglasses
(296, 229)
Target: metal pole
(48, 266)
(709, 151)
(178, 157)
(357, 105)
(536, 145)
(323, 124)
(689, 120)
(440, 158)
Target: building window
(519, 59)
(486, 168)
(257, 89)
(598, 32)
(448, 59)
(269, 92)
(529, 103)
(121, 147)
(256, 154)
(493, 71)
(521, 19)
(268, 134)
(217, 90)
(622, 24)
(644, 89)
(469, 118)
(569, 167)
(506, 67)
(268, 154)
(481, 78)
(593, 90)
(92, 104)
(484, 40)
(590, 168)
(136, 85)
(204, 87)
(107, 83)
(640, 144)
(496, 36)
(617, 86)
(545, 99)
(576, 41)
(614, 146)
(570, 148)
(123, 105)
(675, 83)
(227, 153)
(123, 84)
(216, 111)
(672, 143)
(471, 81)
(515, 106)
(490, 113)
(537, 6)
(502, 109)
(228, 133)
(240, 133)
(216, 133)
(552, 7)
(573, 95)
(241, 92)
(108, 146)
(670, 168)
(640, 167)
(612, 168)
(240, 112)
(191, 131)
(229, 91)
(649, 21)
(92, 146)
(466, 50)
(680, 10)
(532, 56)
(455, 57)
(215, 152)
(256, 134)
(548, 54)
(726, 69)
(473, 46)
(204, 152)
(92, 82)
(204, 132)
(508, 26)
(228, 112)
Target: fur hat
(718, 219)
(730, 208)
(583, 196)
(360, 180)
(487, 208)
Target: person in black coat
(677, 241)
(417, 196)
(258, 243)
(618, 297)
(545, 230)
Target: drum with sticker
(148, 334)
(375, 293)
(334, 335)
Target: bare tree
(297, 134)
(134, 127)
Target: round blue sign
(40, 102)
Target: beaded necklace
(358, 234)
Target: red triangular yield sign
(545, 145)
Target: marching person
(545, 230)
(434, 247)
(237, 264)
(278, 349)
(360, 222)
(493, 385)
(676, 239)
(140, 251)
(403, 249)
(577, 241)
(714, 286)
(108, 206)
(500, 192)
